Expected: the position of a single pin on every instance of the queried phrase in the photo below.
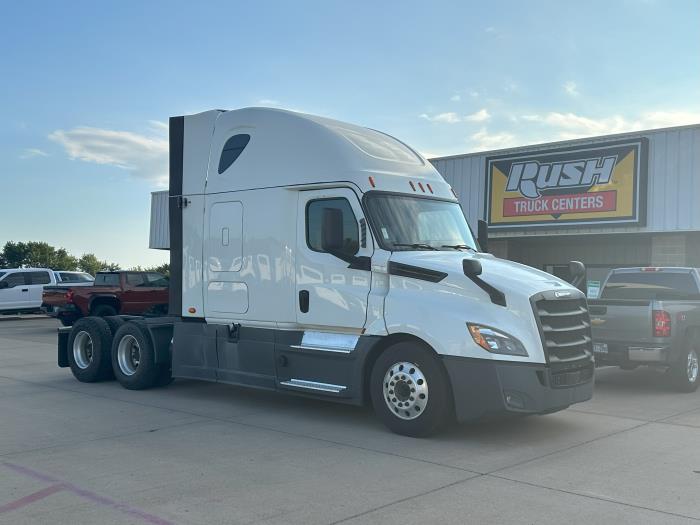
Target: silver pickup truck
(650, 316)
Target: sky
(86, 88)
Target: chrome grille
(565, 329)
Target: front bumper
(485, 388)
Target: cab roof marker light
(413, 186)
(651, 269)
(371, 181)
(430, 189)
(420, 185)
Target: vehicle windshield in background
(415, 223)
(650, 285)
(1, 274)
(107, 279)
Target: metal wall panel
(159, 237)
(673, 187)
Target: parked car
(21, 288)
(650, 316)
(112, 293)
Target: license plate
(600, 348)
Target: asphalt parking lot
(204, 453)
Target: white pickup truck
(324, 259)
(21, 288)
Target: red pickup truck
(124, 292)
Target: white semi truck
(329, 260)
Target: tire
(89, 349)
(104, 310)
(133, 358)
(424, 405)
(115, 322)
(685, 374)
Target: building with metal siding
(669, 234)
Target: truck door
(14, 294)
(332, 292)
(37, 280)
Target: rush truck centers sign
(598, 183)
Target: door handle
(304, 301)
(25, 289)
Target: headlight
(495, 341)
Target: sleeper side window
(315, 211)
(232, 149)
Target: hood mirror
(332, 230)
(471, 267)
(577, 271)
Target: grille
(565, 329)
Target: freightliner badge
(595, 184)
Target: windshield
(650, 285)
(404, 222)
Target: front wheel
(410, 390)
(686, 371)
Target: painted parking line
(30, 498)
(59, 485)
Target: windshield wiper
(459, 247)
(416, 245)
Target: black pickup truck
(650, 316)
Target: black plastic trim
(415, 272)
(177, 137)
(497, 296)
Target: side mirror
(332, 230)
(577, 271)
(471, 267)
(482, 235)
(3, 284)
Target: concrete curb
(27, 317)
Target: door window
(135, 279)
(15, 279)
(39, 278)
(314, 221)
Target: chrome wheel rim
(82, 350)
(128, 355)
(692, 368)
(405, 390)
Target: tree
(36, 254)
(43, 255)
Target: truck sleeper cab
(329, 260)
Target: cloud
(143, 156)
(268, 102)
(456, 98)
(571, 126)
(451, 117)
(480, 116)
(482, 140)
(571, 88)
(489, 29)
(30, 153)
